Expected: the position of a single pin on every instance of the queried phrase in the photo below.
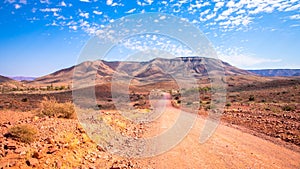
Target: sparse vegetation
(288, 108)
(189, 103)
(51, 108)
(24, 100)
(251, 98)
(228, 104)
(23, 133)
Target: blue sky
(38, 37)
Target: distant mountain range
(156, 70)
(277, 72)
(22, 78)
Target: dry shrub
(51, 108)
(288, 108)
(23, 133)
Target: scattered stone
(52, 129)
(47, 161)
(37, 155)
(21, 151)
(3, 165)
(52, 150)
(33, 162)
(36, 118)
(100, 148)
(58, 164)
(10, 146)
(12, 164)
(92, 167)
(49, 140)
(80, 129)
(8, 164)
(2, 154)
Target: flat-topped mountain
(158, 69)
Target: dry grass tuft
(23, 133)
(51, 108)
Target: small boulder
(33, 162)
(10, 146)
(37, 155)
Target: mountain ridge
(155, 69)
(5, 79)
(276, 72)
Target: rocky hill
(158, 69)
(5, 79)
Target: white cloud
(228, 12)
(45, 1)
(149, 1)
(73, 27)
(146, 2)
(204, 12)
(23, 2)
(109, 2)
(230, 4)
(63, 3)
(50, 10)
(246, 21)
(131, 10)
(292, 8)
(85, 15)
(219, 4)
(225, 15)
(295, 25)
(208, 17)
(297, 16)
(242, 11)
(17, 6)
(33, 10)
(237, 57)
(226, 23)
(97, 12)
(242, 60)
(10, 1)
(221, 17)
(162, 17)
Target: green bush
(23, 133)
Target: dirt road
(227, 148)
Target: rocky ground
(270, 112)
(60, 143)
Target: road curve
(227, 148)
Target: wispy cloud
(131, 10)
(297, 16)
(84, 14)
(220, 15)
(50, 10)
(237, 57)
(97, 12)
(84, 0)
